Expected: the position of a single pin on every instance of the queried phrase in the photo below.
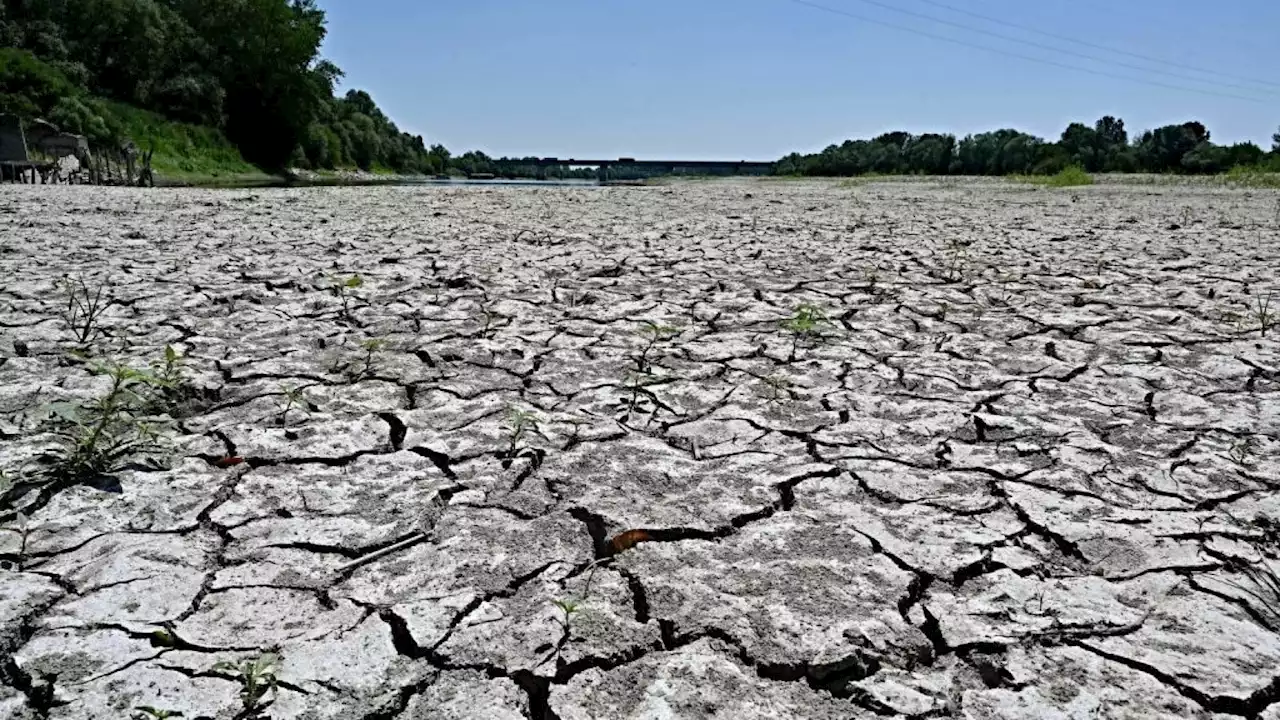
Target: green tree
(264, 52)
(1111, 132)
(1083, 147)
(1243, 154)
(930, 154)
(1162, 149)
(29, 86)
(1206, 159)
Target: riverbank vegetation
(1104, 147)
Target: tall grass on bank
(1073, 176)
(1254, 177)
(181, 149)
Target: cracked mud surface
(1015, 473)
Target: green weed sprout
(104, 434)
(293, 397)
(83, 310)
(1263, 314)
(345, 289)
(168, 381)
(365, 363)
(520, 423)
(637, 383)
(805, 324)
(653, 333)
(568, 608)
(168, 372)
(257, 679)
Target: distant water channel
(340, 182)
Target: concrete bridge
(737, 166)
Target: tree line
(1104, 147)
(250, 68)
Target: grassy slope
(184, 153)
(197, 155)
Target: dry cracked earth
(740, 450)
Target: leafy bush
(190, 98)
(1067, 177)
(107, 433)
(76, 115)
(1254, 176)
(29, 87)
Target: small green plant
(257, 678)
(637, 383)
(1263, 314)
(364, 364)
(103, 435)
(345, 289)
(653, 333)
(776, 389)
(568, 608)
(804, 325)
(168, 371)
(294, 397)
(83, 309)
(169, 382)
(1252, 177)
(520, 423)
(146, 712)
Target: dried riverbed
(964, 449)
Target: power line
(1020, 56)
(1050, 48)
(1095, 46)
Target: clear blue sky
(755, 79)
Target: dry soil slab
(749, 450)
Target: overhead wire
(1021, 56)
(1043, 46)
(1096, 46)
